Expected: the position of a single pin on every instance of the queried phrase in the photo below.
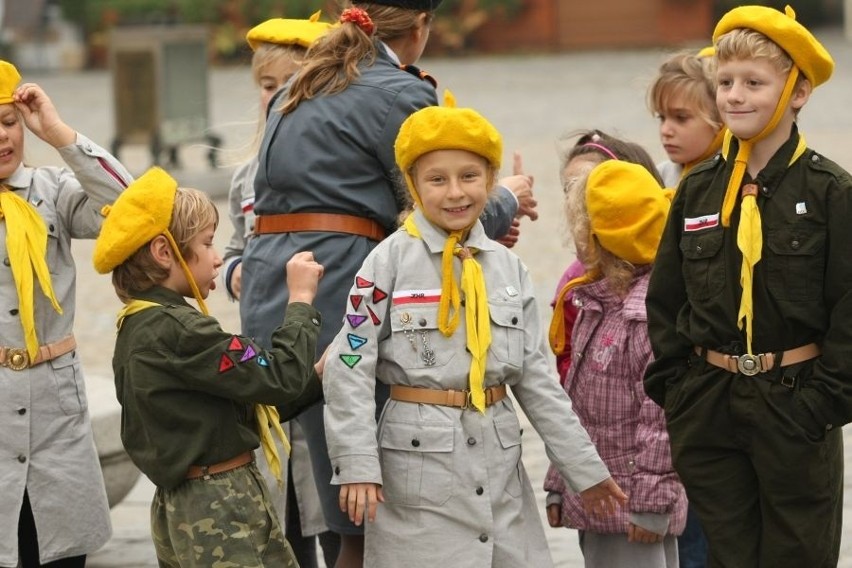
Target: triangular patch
(362, 283)
(235, 345)
(355, 341)
(356, 319)
(378, 295)
(350, 360)
(374, 317)
(355, 300)
(249, 353)
(225, 363)
(261, 361)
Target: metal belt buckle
(468, 399)
(17, 359)
(748, 365)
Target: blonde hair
(617, 272)
(689, 77)
(332, 61)
(193, 212)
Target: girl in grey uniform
(445, 461)
(54, 506)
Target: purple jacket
(611, 349)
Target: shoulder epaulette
(420, 74)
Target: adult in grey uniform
(54, 505)
(325, 183)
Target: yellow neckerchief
(714, 146)
(750, 231)
(556, 334)
(266, 416)
(26, 243)
(477, 316)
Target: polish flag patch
(700, 223)
(247, 204)
(402, 297)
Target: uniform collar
(21, 178)
(769, 178)
(162, 295)
(435, 237)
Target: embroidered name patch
(700, 223)
(402, 297)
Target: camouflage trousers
(226, 521)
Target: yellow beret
(445, 128)
(627, 210)
(807, 53)
(141, 212)
(287, 32)
(9, 79)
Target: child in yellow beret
(196, 401)
(616, 211)
(750, 308)
(278, 48)
(447, 318)
(54, 508)
(682, 96)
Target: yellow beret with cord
(9, 79)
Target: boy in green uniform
(197, 400)
(750, 310)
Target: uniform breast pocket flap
(417, 342)
(417, 463)
(795, 263)
(703, 264)
(507, 333)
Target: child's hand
(356, 498)
(554, 515)
(41, 117)
(522, 186)
(510, 239)
(601, 500)
(635, 533)
(319, 366)
(237, 280)
(303, 274)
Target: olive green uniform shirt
(802, 284)
(187, 388)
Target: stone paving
(532, 99)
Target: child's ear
(801, 94)
(161, 251)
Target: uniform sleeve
(95, 179)
(242, 188)
(548, 407)
(664, 302)
(656, 486)
(349, 380)
(827, 393)
(500, 210)
(207, 359)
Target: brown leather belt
(205, 471)
(325, 222)
(751, 365)
(454, 398)
(17, 358)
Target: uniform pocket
(509, 435)
(69, 383)
(417, 463)
(703, 266)
(416, 340)
(795, 262)
(507, 333)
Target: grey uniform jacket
(46, 444)
(456, 493)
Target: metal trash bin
(160, 89)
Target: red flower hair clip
(360, 18)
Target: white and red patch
(691, 224)
(403, 297)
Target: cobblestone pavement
(531, 99)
